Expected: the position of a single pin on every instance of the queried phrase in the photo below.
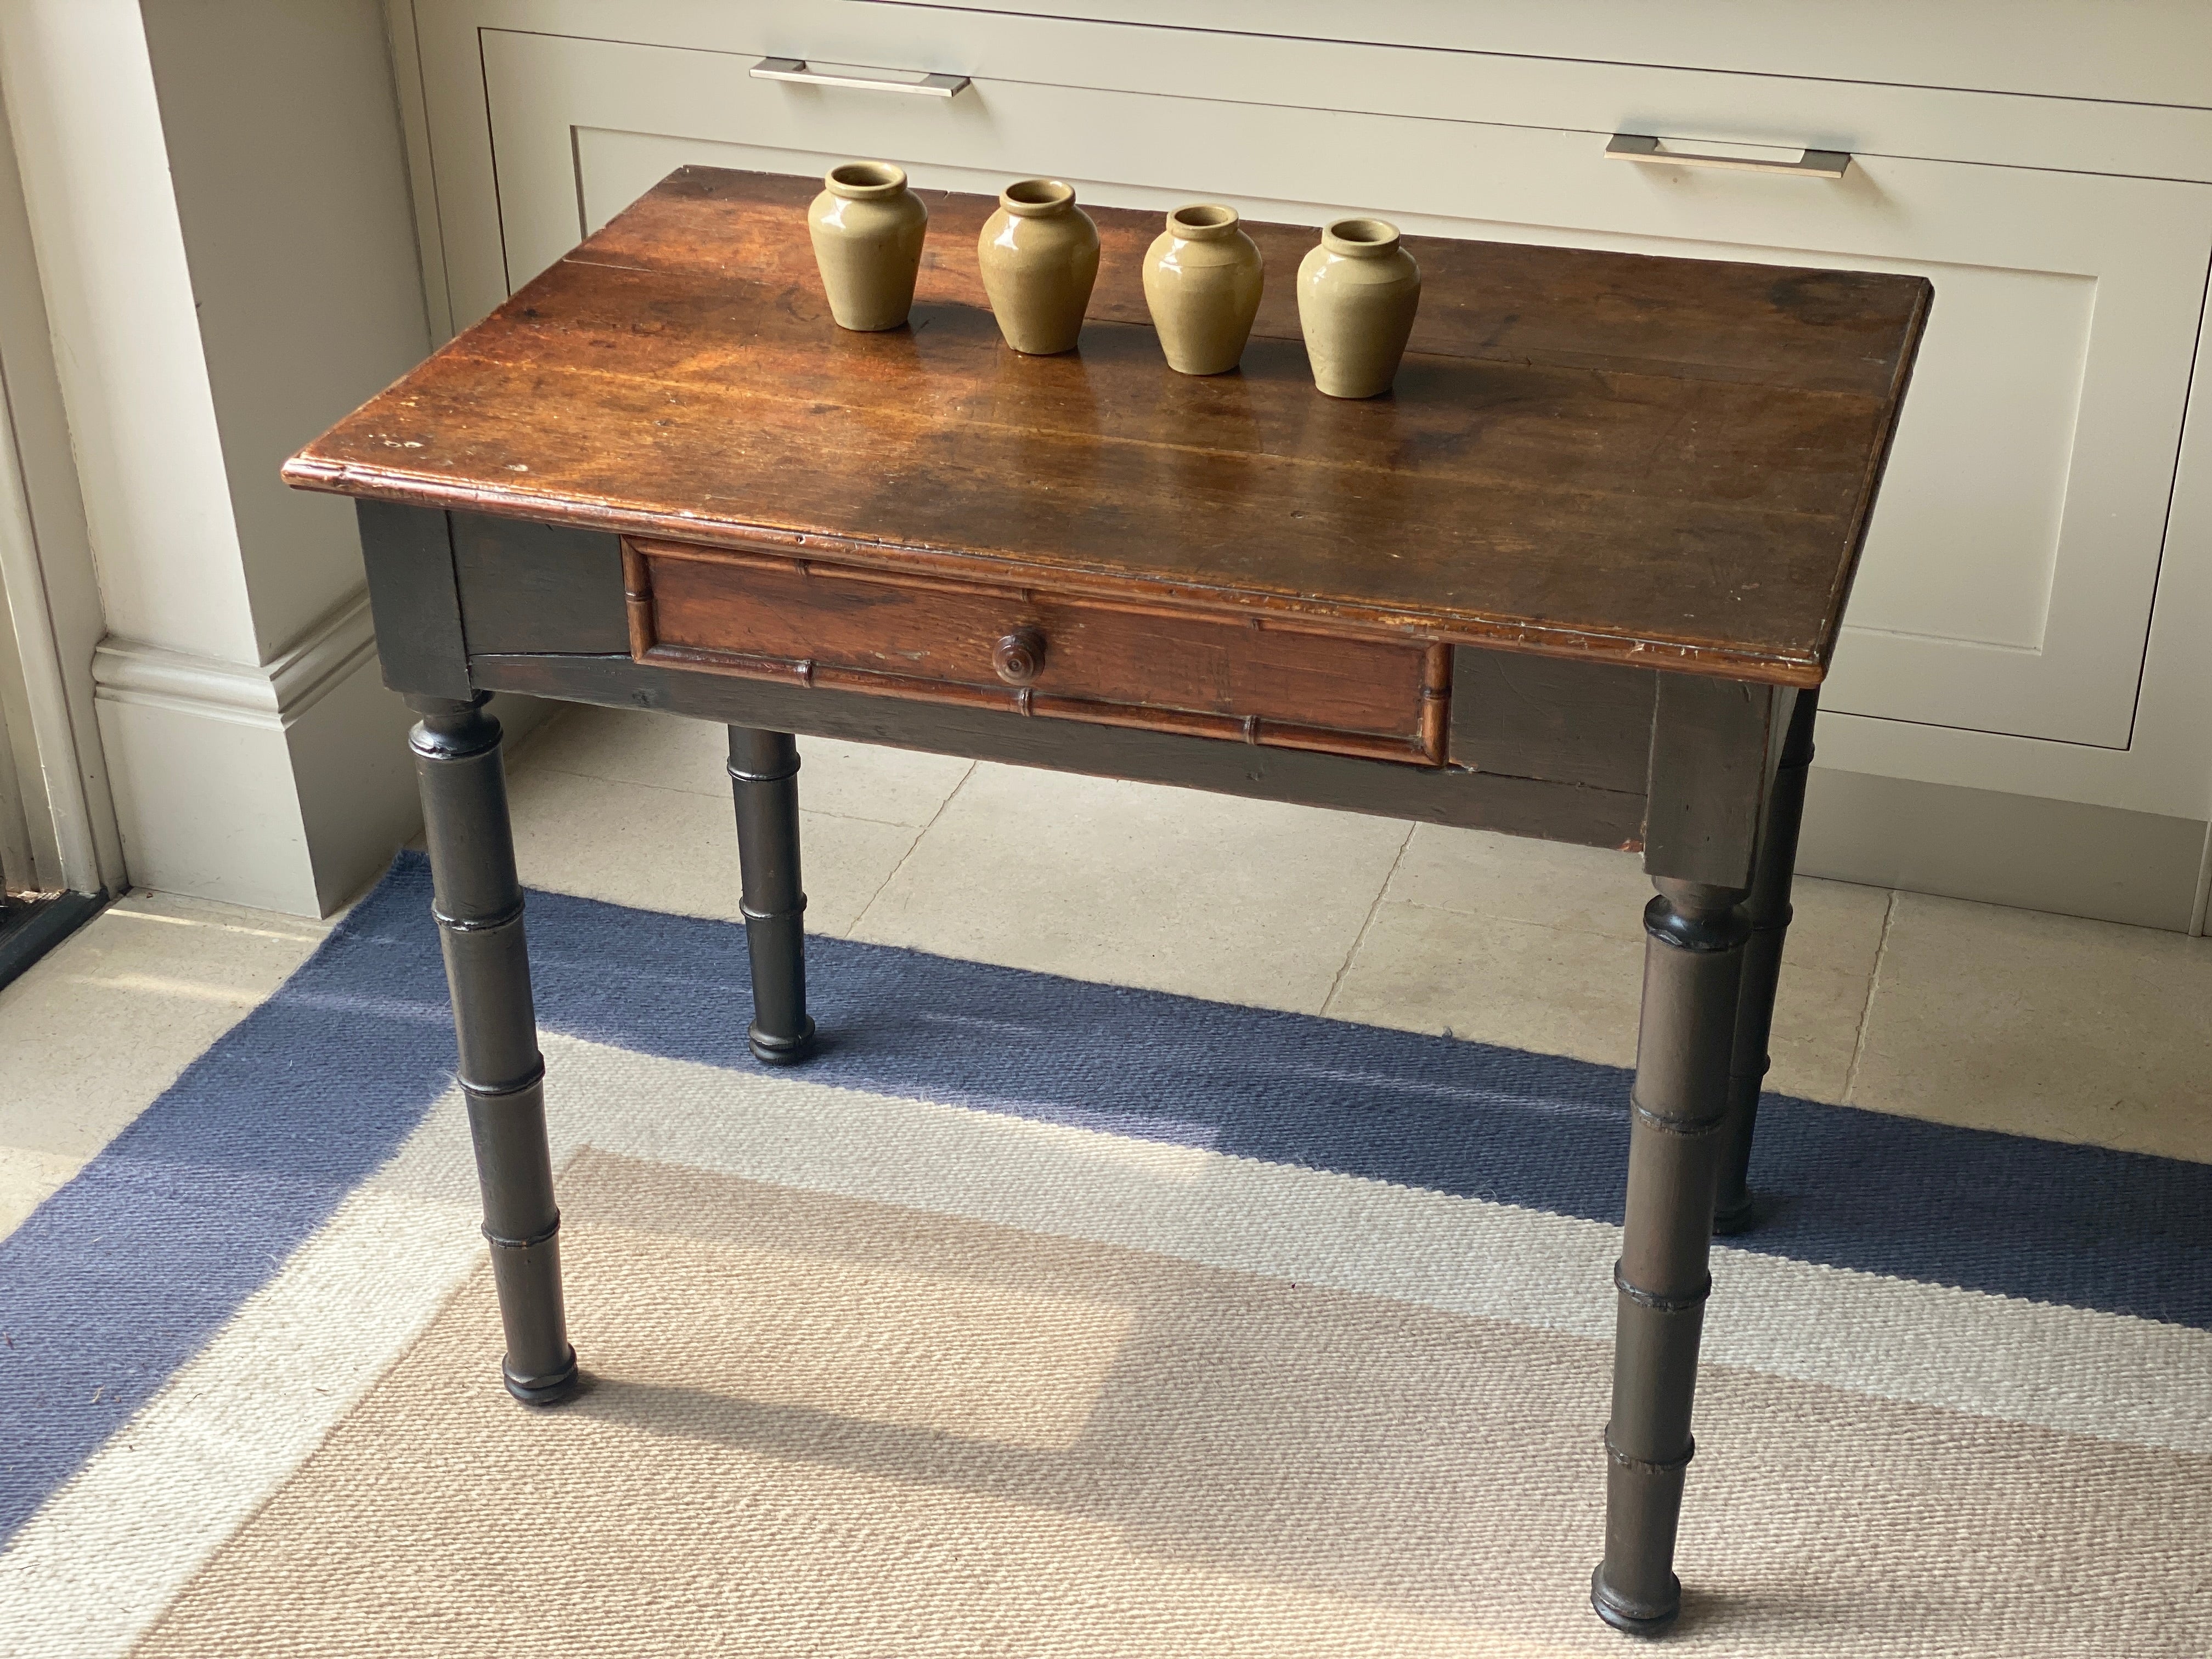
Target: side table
(1579, 576)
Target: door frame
(49, 594)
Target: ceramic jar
(1039, 254)
(1357, 295)
(1202, 280)
(867, 228)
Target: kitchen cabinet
(2023, 630)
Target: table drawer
(766, 616)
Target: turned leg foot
(764, 780)
(477, 902)
(1692, 975)
(1770, 913)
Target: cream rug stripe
(825, 1426)
(88, 1573)
(2080, 1371)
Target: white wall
(217, 198)
(282, 132)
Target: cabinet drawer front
(2010, 569)
(766, 616)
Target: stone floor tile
(1838, 926)
(1136, 884)
(668, 751)
(668, 849)
(94, 1030)
(2042, 1025)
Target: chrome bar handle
(795, 69)
(1635, 147)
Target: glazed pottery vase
(1357, 295)
(1039, 254)
(1202, 280)
(867, 228)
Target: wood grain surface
(770, 618)
(1659, 461)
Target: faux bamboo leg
(1693, 974)
(764, 781)
(478, 904)
(1762, 967)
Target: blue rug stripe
(1969, 1209)
(130, 1269)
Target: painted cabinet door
(2010, 572)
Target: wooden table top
(1665, 461)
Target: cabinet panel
(2011, 567)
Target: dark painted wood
(1687, 486)
(1693, 974)
(477, 902)
(538, 586)
(1770, 912)
(769, 617)
(410, 557)
(1714, 747)
(764, 783)
(1519, 807)
(1550, 717)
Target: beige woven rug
(821, 1426)
(1039, 1319)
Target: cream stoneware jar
(1202, 280)
(1039, 254)
(867, 228)
(1358, 293)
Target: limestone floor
(1968, 1013)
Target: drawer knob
(1018, 657)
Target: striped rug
(1040, 1317)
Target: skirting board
(280, 811)
(285, 787)
(2022, 850)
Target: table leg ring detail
(739, 775)
(795, 913)
(1658, 1303)
(1667, 1124)
(499, 1241)
(491, 1091)
(492, 924)
(1645, 1465)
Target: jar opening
(1359, 238)
(859, 181)
(1032, 198)
(1202, 220)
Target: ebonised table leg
(478, 904)
(1692, 976)
(1762, 966)
(764, 781)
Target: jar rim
(1360, 238)
(865, 181)
(1202, 221)
(1037, 198)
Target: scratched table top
(1586, 454)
